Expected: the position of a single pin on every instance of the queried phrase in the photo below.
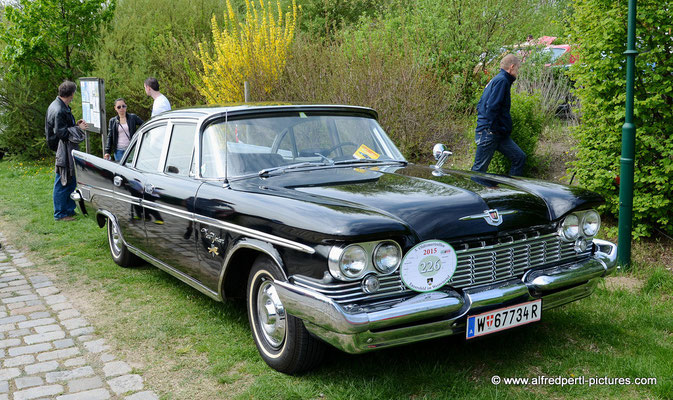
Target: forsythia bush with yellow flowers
(255, 51)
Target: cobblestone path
(47, 349)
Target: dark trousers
(488, 143)
(64, 206)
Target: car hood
(448, 205)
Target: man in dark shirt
(58, 127)
(494, 122)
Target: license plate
(504, 318)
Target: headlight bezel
(336, 255)
(581, 233)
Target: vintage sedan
(314, 217)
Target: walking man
(161, 103)
(494, 122)
(64, 135)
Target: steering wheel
(336, 146)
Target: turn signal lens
(387, 257)
(353, 261)
(371, 284)
(591, 223)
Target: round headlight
(591, 223)
(570, 229)
(353, 261)
(387, 257)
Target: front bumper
(443, 312)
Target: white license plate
(504, 318)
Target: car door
(168, 202)
(131, 183)
(128, 188)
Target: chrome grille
(476, 266)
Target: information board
(93, 107)
(91, 102)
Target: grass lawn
(188, 346)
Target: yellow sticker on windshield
(364, 152)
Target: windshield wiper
(367, 161)
(267, 171)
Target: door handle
(117, 181)
(149, 188)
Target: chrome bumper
(424, 316)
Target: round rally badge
(428, 266)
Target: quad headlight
(591, 223)
(580, 225)
(353, 261)
(570, 228)
(387, 257)
(357, 260)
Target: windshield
(296, 140)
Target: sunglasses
(119, 107)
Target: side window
(213, 151)
(131, 156)
(149, 155)
(180, 150)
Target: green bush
(455, 37)
(600, 85)
(410, 99)
(43, 42)
(22, 116)
(142, 42)
(527, 124)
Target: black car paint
(327, 206)
(319, 207)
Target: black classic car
(314, 217)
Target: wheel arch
(102, 216)
(239, 262)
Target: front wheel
(118, 250)
(282, 340)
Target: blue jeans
(488, 143)
(119, 154)
(64, 206)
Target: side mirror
(441, 154)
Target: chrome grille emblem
(492, 217)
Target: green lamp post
(628, 149)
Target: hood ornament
(493, 217)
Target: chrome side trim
(177, 274)
(262, 247)
(168, 210)
(256, 234)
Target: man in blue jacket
(494, 122)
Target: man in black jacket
(494, 122)
(59, 126)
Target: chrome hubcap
(115, 239)
(271, 314)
